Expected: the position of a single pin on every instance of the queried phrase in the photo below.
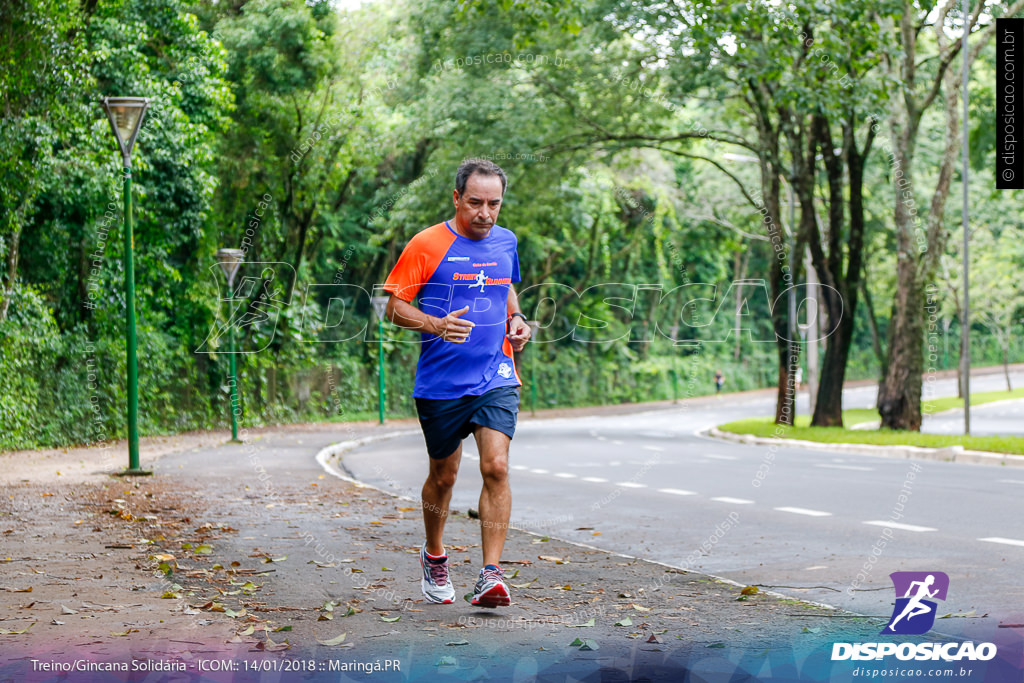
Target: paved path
(655, 489)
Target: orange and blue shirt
(448, 271)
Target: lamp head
(125, 115)
(380, 305)
(230, 260)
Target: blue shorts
(446, 423)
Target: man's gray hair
(481, 166)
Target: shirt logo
(505, 370)
(458, 258)
(480, 279)
(913, 614)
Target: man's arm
(518, 330)
(513, 301)
(450, 328)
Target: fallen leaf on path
(807, 629)
(67, 610)
(551, 558)
(11, 632)
(589, 644)
(624, 622)
(589, 622)
(638, 608)
(57, 623)
(717, 645)
(272, 646)
(274, 559)
(124, 633)
(282, 628)
(19, 590)
(447, 661)
(750, 590)
(391, 619)
(247, 631)
(458, 642)
(333, 641)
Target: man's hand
(452, 327)
(518, 333)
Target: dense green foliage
(319, 140)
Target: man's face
(476, 210)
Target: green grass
(765, 427)
(939, 404)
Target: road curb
(947, 454)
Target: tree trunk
(839, 296)
(1006, 363)
(899, 401)
(11, 273)
(876, 338)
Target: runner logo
(480, 279)
(505, 370)
(913, 613)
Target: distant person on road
(462, 272)
(719, 381)
(798, 380)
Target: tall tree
(927, 72)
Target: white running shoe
(491, 589)
(435, 584)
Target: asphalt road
(813, 524)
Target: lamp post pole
(534, 332)
(965, 361)
(674, 332)
(125, 115)
(230, 260)
(379, 307)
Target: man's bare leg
(495, 497)
(437, 491)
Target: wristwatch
(519, 314)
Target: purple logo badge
(914, 612)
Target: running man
(914, 606)
(462, 272)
